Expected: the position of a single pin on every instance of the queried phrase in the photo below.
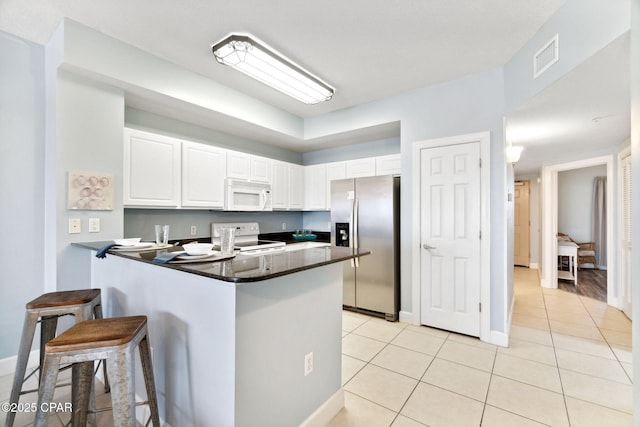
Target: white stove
(246, 238)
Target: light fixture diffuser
(266, 65)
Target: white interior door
(521, 224)
(450, 237)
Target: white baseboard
(326, 412)
(8, 364)
(409, 317)
(500, 338)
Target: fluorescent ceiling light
(264, 64)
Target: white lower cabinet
(203, 173)
(151, 170)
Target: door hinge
(480, 234)
(480, 162)
(480, 307)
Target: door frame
(484, 138)
(619, 217)
(549, 223)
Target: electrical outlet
(75, 225)
(194, 230)
(284, 226)
(94, 225)
(308, 363)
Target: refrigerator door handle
(356, 243)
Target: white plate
(136, 247)
(194, 257)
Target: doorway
(550, 229)
(521, 224)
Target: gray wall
(89, 126)
(575, 201)
(143, 120)
(21, 183)
(380, 147)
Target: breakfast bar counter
(254, 340)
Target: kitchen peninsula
(233, 341)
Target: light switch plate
(94, 225)
(75, 225)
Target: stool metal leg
(47, 388)
(149, 381)
(82, 394)
(120, 365)
(97, 314)
(28, 331)
(48, 326)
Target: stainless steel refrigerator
(365, 214)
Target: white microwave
(247, 196)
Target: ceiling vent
(546, 57)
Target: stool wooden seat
(113, 339)
(83, 304)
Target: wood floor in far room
(591, 284)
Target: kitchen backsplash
(140, 222)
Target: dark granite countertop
(243, 268)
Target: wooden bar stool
(113, 339)
(46, 309)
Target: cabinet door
(335, 170)
(260, 169)
(296, 187)
(238, 165)
(315, 188)
(203, 173)
(361, 167)
(280, 185)
(388, 165)
(151, 170)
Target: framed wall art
(90, 191)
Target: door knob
(425, 246)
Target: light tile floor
(568, 364)
(62, 394)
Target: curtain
(599, 219)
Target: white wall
(575, 201)
(21, 183)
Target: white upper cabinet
(296, 187)
(280, 185)
(238, 165)
(335, 170)
(388, 165)
(361, 167)
(287, 186)
(315, 187)
(151, 169)
(203, 173)
(247, 167)
(260, 169)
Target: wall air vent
(546, 57)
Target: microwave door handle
(263, 194)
